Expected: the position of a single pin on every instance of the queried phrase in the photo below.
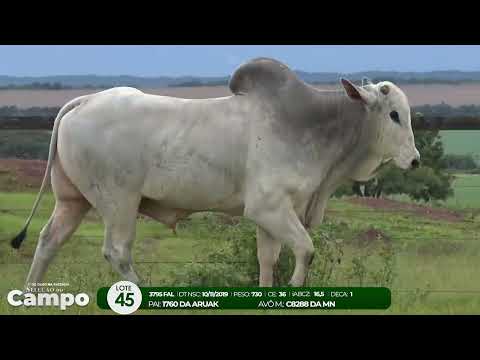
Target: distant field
(466, 197)
(467, 192)
(461, 142)
(418, 94)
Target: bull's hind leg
(120, 218)
(70, 208)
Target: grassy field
(431, 266)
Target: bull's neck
(347, 127)
(347, 122)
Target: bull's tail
(17, 241)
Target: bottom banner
(125, 297)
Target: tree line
(56, 85)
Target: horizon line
(224, 76)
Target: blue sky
(219, 60)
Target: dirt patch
(372, 236)
(425, 211)
(16, 174)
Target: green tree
(430, 181)
(460, 162)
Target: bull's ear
(356, 93)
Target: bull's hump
(260, 73)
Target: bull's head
(388, 106)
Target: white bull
(274, 152)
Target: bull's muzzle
(415, 164)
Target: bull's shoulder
(260, 73)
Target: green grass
(428, 256)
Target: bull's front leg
(268, 251)
(317, 214)
(280, 221)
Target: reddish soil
(425, 211)
(17, 173)
(454, 95)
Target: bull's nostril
(415, 163)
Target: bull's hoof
(295, 284)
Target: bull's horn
(366, 81)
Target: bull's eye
(395, 117)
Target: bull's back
(187, 153)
